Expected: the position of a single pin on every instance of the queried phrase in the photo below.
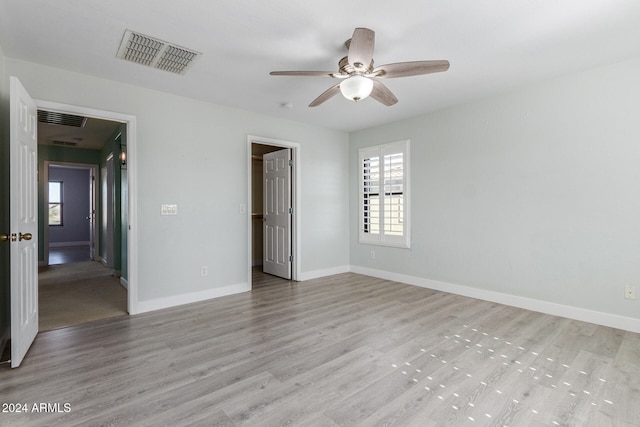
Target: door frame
(132, 185)
(296, 193)
(94, 171)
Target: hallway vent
(63, 119)
(65, 143)
(145, 50)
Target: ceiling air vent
(145, 50)
(65, 143)
(63, 119)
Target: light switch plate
(169, 209)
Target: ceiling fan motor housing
(359, 78)
(347, 69)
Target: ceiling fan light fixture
(358, 77)
(356, 87)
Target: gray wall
(532, 193)
(75, 205)
(194, 154)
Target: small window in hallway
(55, 202)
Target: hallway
(78, 292)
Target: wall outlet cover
(630, 292)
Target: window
(55, 203)
(384, 194)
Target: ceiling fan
(359, 78)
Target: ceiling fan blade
(303, 73)
(382, 94)
(333, 90)
(405, 69)
(361, 48)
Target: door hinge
(290, 162)
(291, 211)
(290, 258)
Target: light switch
(169, 210)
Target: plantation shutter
(384, 194)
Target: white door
(277, 213)
(24, 221)
(92, 214)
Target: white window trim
(382, 239)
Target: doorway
(257, 148)
(120, 260)
(69, 229)
(79, 278)
(25, 204)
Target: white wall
(533, 193)
(194, 154)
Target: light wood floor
(338, 351)
(66, 254)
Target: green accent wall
(124, 214)
(112, 146)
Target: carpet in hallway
(75, 293)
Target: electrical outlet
(372, 254)
(204, 271)
(630, 292)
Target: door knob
(25, 236)
(6, 237)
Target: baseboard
(315, 274)
(576, 313)
(176, 300)
(124, 283)
(64, 244)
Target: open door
(108, 212)
(92, 214)
(23, 212)
(277, 213)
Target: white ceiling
(492, 45)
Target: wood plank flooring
(345, 350)
(66, 254)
